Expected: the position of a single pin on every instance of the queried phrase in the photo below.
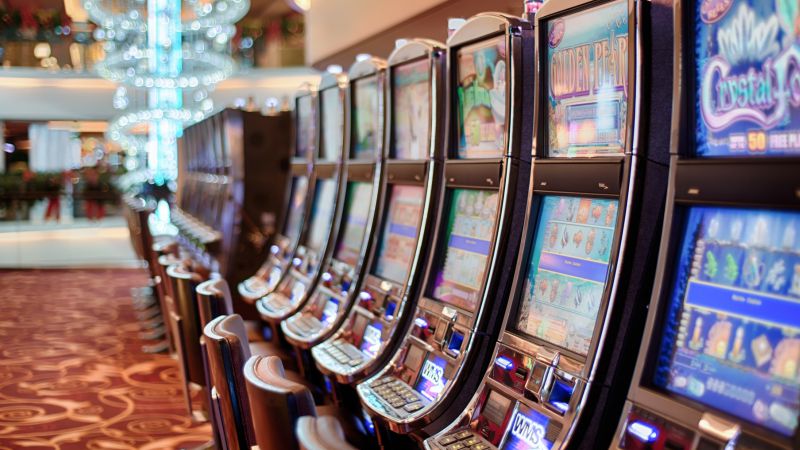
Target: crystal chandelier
(166, 55)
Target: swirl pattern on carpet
(72, 373)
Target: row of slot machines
(225, 213)
(570, 229)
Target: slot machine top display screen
(411, 105)
(746, 73)
(481, 99)
(356, 214)
(366, 129)
(306, 126)
(587, 82)
(332, 123)
(568, 270)
(322, 213)
(294, 220)
(731, 339)
(458, 276)
(399, 240)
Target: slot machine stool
(321, 433)
(277, 401)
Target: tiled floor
(78, 244)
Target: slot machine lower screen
(731, 339)
(460, 273)
(530, 429)
(431, 379)
(322, 213)
(399, 240)
(294, 221)
(371, 341)
(355, 226)
(568, 270)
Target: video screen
(530, 429)
(568, 270)
(294, 218)
(471, 219)
(587, 82)
(431, 379)
(322, 213)
(481, 106)
(332, 123)
(306, 126)
(371, 342)
(356, 214)
(399, 240)
(732, 330)
(329, 311)
(747, 98)
(411, 104)
(366, 118)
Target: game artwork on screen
(587, 80)
(412, 116)
(399, 239)
(367, 134)
(747, 77)
(732, 334)
(306, 126)
(470, 227)
(332, 121)
(568, 270)
(482, 99)
(355, 222)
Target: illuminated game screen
(366, 117)
(356, 214)
(747, 98)
(329, 311)
(371, 342)
(399, 240)
(411, 102)
(322, 213)
(567, 270)
(530, 429)
(332, 123)
(306, 126)
(587, 82)
(471, 219)
(294, 220)
(481, 106)
(431, 378)
(733, 318)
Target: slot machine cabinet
(474, 249)
(411, 185)
(297, 199)
(227, 214)
(346, 265)
(598, 185)
(718, 364)
(326, 197)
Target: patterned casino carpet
(72, 375)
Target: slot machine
(305, 268)
(411, 185)
(598, 183)
(345, 267)
(285, 243)
(718, 364)
(486, 173)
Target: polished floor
(72, 375)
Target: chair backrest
(183, 281)
(227, 350)
(213, 300)
(321, 433)
(275, 402)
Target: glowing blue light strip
(504, 363)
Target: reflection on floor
(77, 244)
(72, 375)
